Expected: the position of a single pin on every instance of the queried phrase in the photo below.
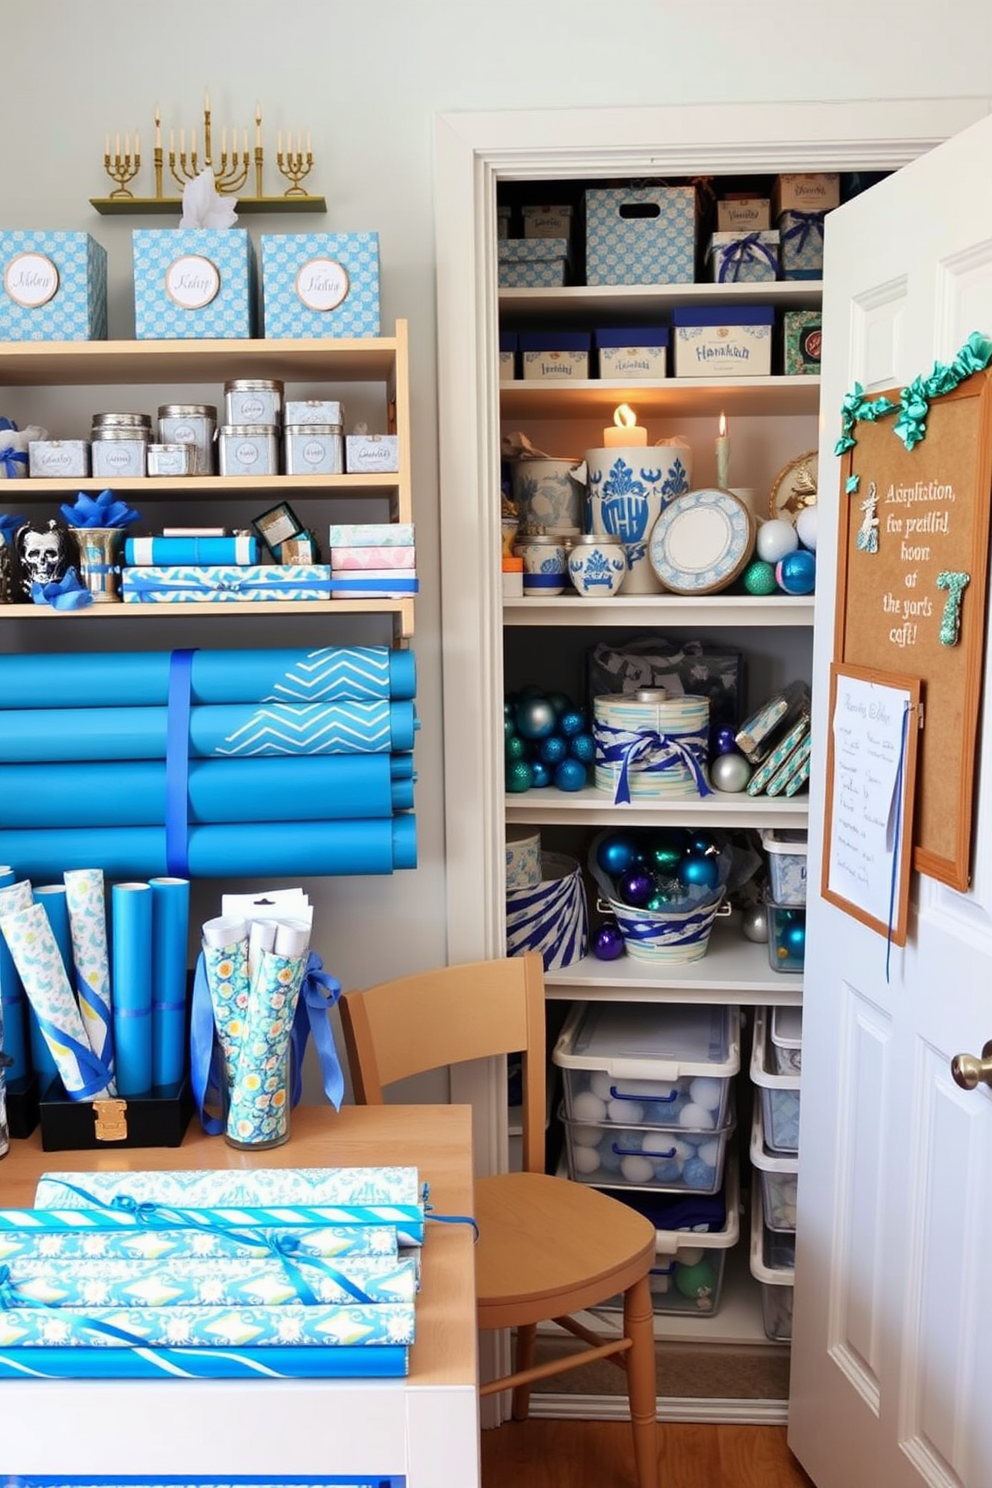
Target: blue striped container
(552, 916)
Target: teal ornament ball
(796, 572)
(698, 870)
(553, 750)
(570, 775)
(519, 776)
(535, 718)
(616, 855)
(583, 747)
(729, 773)
(759, 578)
(541, 774)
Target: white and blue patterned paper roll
(552, 916)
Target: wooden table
(425, 1426)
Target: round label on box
(192, 281)
(31, 280)
(322, 284)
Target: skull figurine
(43, 557)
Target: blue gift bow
(139, 583)
(628, 748)
(804, 224)
(735, 255)
(66, 593)
(310, 1017)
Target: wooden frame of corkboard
(933, 505)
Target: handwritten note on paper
(866, 837)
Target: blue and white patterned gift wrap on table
(194, 282)
(225, 583)
(58, 291)
(320, 284)
(208, 1327)
(645, 235)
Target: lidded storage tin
(313, 449)
(194, 424)
(249, 449)
(253, 400)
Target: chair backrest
(444, 1017)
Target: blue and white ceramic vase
(628, 487)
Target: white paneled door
(891, 1374)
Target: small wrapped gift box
(371, 453)
(801, 244)
(555, 356)
(158, 1119)
(320, 284)
(644, 235)
(629, 353)
(716, 341)
(532, 263)
(54, 286)
(801, 338)
(225, 584)
(737, 257)
(193, 282)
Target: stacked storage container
(776, 1065)
(647, 1112)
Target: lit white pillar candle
(626, 432)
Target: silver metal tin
(194, 424)
(253, 400)
(59, 457)
(313, 449)
(116, 453)
(171, 459)
(248, 449)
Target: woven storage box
(779, 1093)
(551, 916)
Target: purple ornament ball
(607, 943)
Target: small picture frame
(277, 525)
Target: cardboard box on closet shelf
(54, 286)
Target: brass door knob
(968, 1070)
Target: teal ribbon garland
(914, 401)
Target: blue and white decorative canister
(628, 486)
(545, 572)
(551, 916)
(597, 565)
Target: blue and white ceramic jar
(597, 565)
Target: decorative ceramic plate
(794, 488)
(701, 541)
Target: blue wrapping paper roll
(325, 674)
(233, 850)
(225, 730)
(52, 898)
(295, 1361)
(132, 793)
(170, 935)
(13, 1005)
(131, 979)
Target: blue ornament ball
(540, 772)
(571, 722)
(607, 943)
(553, 750)
(636, 888)
(519, 776)
(699, 870)
(570, 775)
(616, 855)
(796, 572)
(583, 747)
(535, 718)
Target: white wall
(366, 80)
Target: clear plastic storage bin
(779, 1093)
(777, 1280)
(778, 1177)
(786, 853)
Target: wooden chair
(547, 1247)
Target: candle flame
(624, 417)
(723, 426)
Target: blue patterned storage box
(532, 263)
(193, 282)
(644, 235)
(320, 284)
(54, 287)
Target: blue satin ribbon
(741, 252)
(628, 749)
(804, 223)
(177, 764)
(63, 594)
(10, 459)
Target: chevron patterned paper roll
(223, 731)
(233, 850)
(551, 917)
(323, 675)
(132, 793)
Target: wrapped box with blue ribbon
(801, 244)
(225, 583)
(737, 257)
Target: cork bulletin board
(912, 580)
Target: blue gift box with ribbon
(54, 286)
(743, 257)
(801, 244)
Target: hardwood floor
(540, 1453)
